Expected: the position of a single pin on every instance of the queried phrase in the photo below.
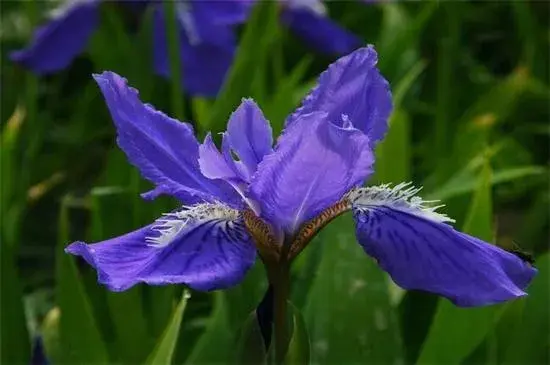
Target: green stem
(174, 57)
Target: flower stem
(280, 279)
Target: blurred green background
(470, 82)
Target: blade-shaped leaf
(529, 344)
(348, 310)
(132, 339)
(231, 309)
(216, 335)
(250, 347)
(393, 155)
(299, 348)
(76, 311)
(166, 346)
(455, 332)
(260, 32)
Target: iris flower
(271, 200)
(207, 42)
(205, 28)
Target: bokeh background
(470, 82)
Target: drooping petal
(320, 32)
(249, 135)
(58, 42)
(352, 86)
(164, 149)
(419, 251)
(315, 162)
(205, 247)
(204, 62)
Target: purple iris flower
(207, 42)
(273, 199)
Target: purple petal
(249, 135)
(206, 254)
(420, 253)
(221, 12)
(315, 162)
(215, 165)
(320, 32)
(352, 86)
(204, 62)
(58, 42)
(164, 149)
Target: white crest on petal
(66, 6)
(315, 6)
(400, 197)
(185, 17)
(171, 225)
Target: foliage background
(471, 92)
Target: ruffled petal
(58, 42)
(164, 149)
(352, 86)
(205, 62)
(215, 165)
(320, 32)
(314, 164)
(419, 251)
(249, 135)
(205, 247)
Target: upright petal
(315, 162)
(352, 86)
(205, 247)
(58, 42)
(215, 165)
(249, 134)
(419, 251)
(320, 32)
(205, 57)
(164, 149)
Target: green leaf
(231, 309)
(217, 335)
(399, 38)
(456, 332)
(166, 347)
(172, 37)
(465, 183)
(259, 35)
(530, 342)
(280, 105)
(246, 296)
(466, 179)
(15, 339)
(299, 347)
(479, 120)
(79, 334)
(15, 346)
(348, 310)
(132, 340)
(405, 84)
(393, 154)
(250, 347)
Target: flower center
(309, 229)
(263, 235)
